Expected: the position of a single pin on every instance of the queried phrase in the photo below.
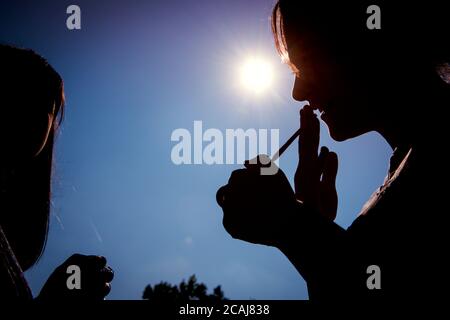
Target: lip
(317, 108)
(323, 115)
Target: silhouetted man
(388, 80)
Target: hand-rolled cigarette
(285, 145)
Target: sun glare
(256, 75)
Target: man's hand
(95, 279)
(315, 178)
(257, 207)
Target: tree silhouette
(185, 291)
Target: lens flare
(256, 75)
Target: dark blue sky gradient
(135, 72)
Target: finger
(310, 134)
(107, 274)
(235, 188)
(324, 151)
(328, 193)
(100, 291)
(220, 196)
(307, 176)
(330, 168)
(240, 181)
(97, 283)
(73, 259)
(237, 176)
(95, 262)
(106, 289)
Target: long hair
(31, 94)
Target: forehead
(303, 47)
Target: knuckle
(333, 155)
(221, 196)
(236, 175)
(102, 260)
(229, 226)
(76, 257)
(107, 289)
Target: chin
(340, 134)
(344, 127)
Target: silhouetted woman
(31, 107)
(393, 81)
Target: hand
(95, 278)
(315, 178)
(257, 207)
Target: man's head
(361, 79)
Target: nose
(298, 91)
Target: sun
(256, 75)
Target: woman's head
(362, 79)
(31, 106)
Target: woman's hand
(257, 208)
(95, 278)
(315, 178)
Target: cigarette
(285, 145)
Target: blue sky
(136, 71)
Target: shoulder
(397, 198)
